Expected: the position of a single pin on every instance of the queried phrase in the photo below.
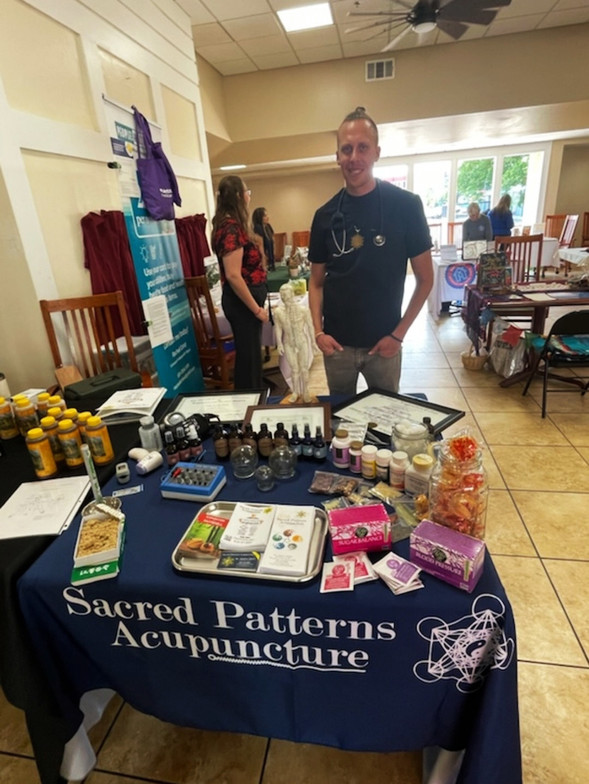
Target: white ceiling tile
(518, 24)
(272, 44)
(196, 11)
(308, 39)
(570, 17)
(359, 49)
(523, 7)
(562, 5)
(220, 52)
(252, 27)
(235, 9)
(340, 11)
(320, 54)
(209, 34)
(233, 67)
(269, 61)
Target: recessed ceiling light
(306, 17)
(233, 167)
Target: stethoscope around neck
(338, 216)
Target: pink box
(360, 528)
(456, 558)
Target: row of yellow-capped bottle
(21, 415)
(63, 438)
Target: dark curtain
(192, 240)
(107, 256)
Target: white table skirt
(450, 278)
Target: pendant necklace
(357, 240)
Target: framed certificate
(228, 405)
(380, 410)
(314, 414)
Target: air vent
(380, 69)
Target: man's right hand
(328, 344)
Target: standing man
(360, 242)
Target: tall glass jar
(458, 491)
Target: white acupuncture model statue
(295, 340)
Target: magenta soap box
(359, 528)
(456, 558)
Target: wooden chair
(300, 239)
(216, 351)
(83, 334)
(524, 254)
(279, 245)
(559, 351)
(455, 233)
(585, 234)
(553, 225)
(567, 234)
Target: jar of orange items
(458, 491)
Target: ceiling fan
(450, 16)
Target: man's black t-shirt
(363, 289)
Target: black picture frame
(229, 405)
(381, 409)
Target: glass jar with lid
(458, 492)
(410, 437)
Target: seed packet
(337, 577)
(363, 570)
(344, 485)
(335, 503)
(385, 493)
(323, 482)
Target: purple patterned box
(453, 557)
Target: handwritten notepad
(46, 507)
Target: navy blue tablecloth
(362, 670)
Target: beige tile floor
(538, 533)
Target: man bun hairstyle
(360, 113)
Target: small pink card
(337, 576)
(363, 571)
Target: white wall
(57, 59)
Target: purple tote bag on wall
(159, 189)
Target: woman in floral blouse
(244, 279)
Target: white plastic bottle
(383, 460)
(149, 434)
(398, 468)
(340, 449)
(418, 473)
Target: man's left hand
(386, 347)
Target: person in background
(360, 242)
(261, 224)
(244, 279)
(476, 226)
(501, 217)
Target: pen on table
(85, 450)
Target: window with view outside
(474, 182)
(431, 182)
(513, 181)
(396, 175)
